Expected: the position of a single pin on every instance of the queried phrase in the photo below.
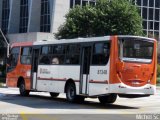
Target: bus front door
(85, 69)
(35, 57)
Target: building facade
(27, 19)
(22, 16)
(19, 17)
(148, 9)
(150, 12)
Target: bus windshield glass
(135, 50)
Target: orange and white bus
(101, 67)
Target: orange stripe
(64, 79)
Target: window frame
(129, 61)
(92, 53)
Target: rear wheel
(71, 94)
(22, 90)
(108, 99)
(53, 94)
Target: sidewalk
(3, 85)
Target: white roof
(104, 38)
(90, 39)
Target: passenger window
(101, 52)
(59, 49)
(46, 50)
(26, 55)
(73, 54)
(45, 55)
(44, 59)
(58, 56)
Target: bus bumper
(127, 91)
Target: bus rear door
(35, 60)
(85, 67)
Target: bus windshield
(135, 50)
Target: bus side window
(101, 53)
(13, 58)
(73, 54)
(44, 59)
(58, 54)
(26, 55)
(45, 55)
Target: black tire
(22, 90)
(71, 94)
(54, 95)
(108, 99)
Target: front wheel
(22, 90)
(108, 99)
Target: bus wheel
(53, 94)
(71, 92)
(108, 99)
(22, 90)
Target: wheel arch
(68, 82)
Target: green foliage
(158, 70)
(115, 17)
(158, 81)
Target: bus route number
(102, 72)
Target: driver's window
(13, 58)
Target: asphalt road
(41, 105)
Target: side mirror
(119, 66)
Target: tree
(107, 17)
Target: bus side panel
(99, 80)
(13, 75)
(11, 81)
(20, 71)
(27, 83)
(52, 78)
